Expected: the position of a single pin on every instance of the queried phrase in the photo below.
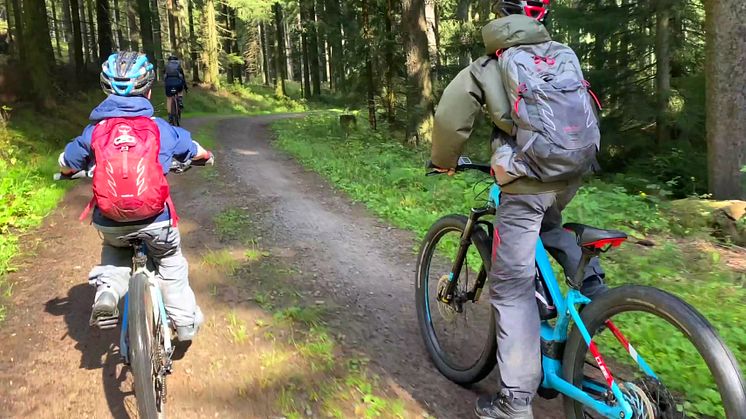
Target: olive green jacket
(480, 85)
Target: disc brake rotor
(447, 311)
(651, 400)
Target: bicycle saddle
(595, 237)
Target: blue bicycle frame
(557, 334)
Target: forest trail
(299, 241)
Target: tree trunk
(77, 41)
(432, 41)
(279, 52)
(367, 43)
(56, 27)
(146, 28)
(104, 28)
(321, 43)
(193, 44)
(265, 58)
(121, 41)
(462, 14)
(227, 42)
(304, 52)
(11, 23)
(18, 20)
(419, 85)
(389, 44)
(334, 34)
(92, 41)
(132, 25)
(726, 98)
(237, 67)
(67, 28)
(155, 15)
(172, 17)
(212, 46)
(663, 70)
(85, 32)
(313, 47)
(39, 50)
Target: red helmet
(537, 9)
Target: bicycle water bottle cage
(595, 240)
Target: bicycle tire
(630, 298)
(486, 362)
(141, 337)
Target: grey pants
(520, 221)
(164, 252)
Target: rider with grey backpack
(545, 139)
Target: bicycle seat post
(588, 255)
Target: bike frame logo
(125, 137)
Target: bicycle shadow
(99, 349)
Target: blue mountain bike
(661, 358)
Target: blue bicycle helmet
(127, 74)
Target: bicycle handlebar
(176, 167)
(464, 164)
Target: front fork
(446, 295)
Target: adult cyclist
(529, 208)
(175, 82)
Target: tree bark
(367, 43)
(121, 41)
(726, 98)
(77, 41)
(85, 31)
(104, 28)
(462, 14)
(389, 44)
(663, 70)
(419, 85)
(212, 46)
(92, 41)
(146, 28)
(193, 44)
(432, 40)
(280, 74)
(18, 20)
(56, 27)
(173, 28)
(155, 15)
(227, 41)
(313, 47)
(11, 23)
(237, 67)
(265, 57)
(334, 34)
(133, 28)
(304, 52)
(39, 50)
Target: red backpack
(128, 180)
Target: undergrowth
(390, 179)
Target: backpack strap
(172, 211)
(87, 210)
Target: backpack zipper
(125, 170)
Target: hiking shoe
(498, 407)
(105, 314)
(593, 286)
(187, 333)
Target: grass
(389, 178)
(232, 224)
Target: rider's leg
(512, 294)
(164, 247)
(168, 100)
(111, 276)
(180, 99)
(563, 246)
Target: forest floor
(308, 300)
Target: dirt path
(331, 253)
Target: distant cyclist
(175, 82)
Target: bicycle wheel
(687, 371)
(144, 343)
(459, 338)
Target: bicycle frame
(553, 337)
(139, 265)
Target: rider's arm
(77, 154)
(476, 86)
(184, 147)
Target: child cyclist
(131, 152)
(537, 178)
